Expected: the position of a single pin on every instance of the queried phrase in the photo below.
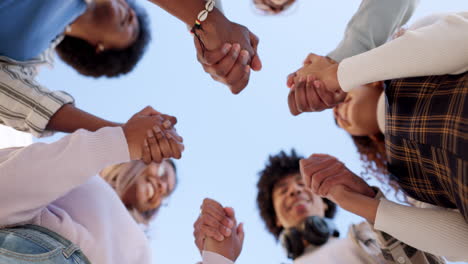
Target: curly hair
(82, 56)
(372, 153)
(278, 167)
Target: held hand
(322, 172)
(317, 92)
(230, 247)
(312, 63)
(354, 202)
(142, 142)
(227, 64)
(213, 222)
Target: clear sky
(228, 138)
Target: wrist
(210, 29)
(221, 248)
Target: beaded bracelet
(209, 6)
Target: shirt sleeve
(373, 24)
(436, 49)
(34, 176)
(214, 258)
(24, 104)
(438, 231)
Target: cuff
(108, 146)
(345, 75)
(214, 258)
(44, 109)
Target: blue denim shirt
(29, 26)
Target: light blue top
(372, 25)
(29, 26)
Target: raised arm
(372, 25)
(34, 176)
(437, 231)
(28, 106)
(436, 49)
(212, 39)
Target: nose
(294, 190)
(163, 187)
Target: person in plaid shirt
(423, 119)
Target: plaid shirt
(426, 138)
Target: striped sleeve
(26, 105)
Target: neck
(86, 20)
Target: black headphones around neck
(314, 229)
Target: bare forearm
(68, 119)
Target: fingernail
(317, 84)
(157, 129)
(237, 48)
(226, 48)
(247, 69)
(245, 57)
(227, 231)
(167, 124)
(149, 133)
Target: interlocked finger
(292, 103)
(301, 96)
(164, 144)
(154, 146)
(176, 147)
(146, 152)
(319, 176)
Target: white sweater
(52, 185)
(428, 50)
(435, 45)
(55, 186)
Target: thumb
(229, 212)
(211, 57)
(149, 111)
(240, 232)
(256, 63)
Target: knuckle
(220, 72)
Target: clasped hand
(227, 51)
(151, 136)
(315, 86)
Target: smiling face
(110, 23)
(293, 202)
(358, 113)
(155, 183)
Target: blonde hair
(121, 177)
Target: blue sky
(228, 138)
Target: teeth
(298, 202)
